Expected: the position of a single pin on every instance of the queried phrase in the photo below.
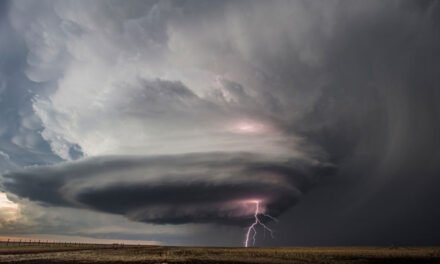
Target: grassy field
(59, 253)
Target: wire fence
(48, 243)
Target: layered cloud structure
(162, 129)
(191, 188)
(182, 112)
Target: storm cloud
(174, 111)
(193, 188)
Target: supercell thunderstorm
(140, 126)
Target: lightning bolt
(252, 228)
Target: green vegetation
(82, 253)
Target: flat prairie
(82, 253)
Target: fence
(48, 243)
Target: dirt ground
(158, 254)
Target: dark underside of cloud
(194, 188)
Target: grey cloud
(19, 127)
(354, 83)
(193, 188)
(377, 118)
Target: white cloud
(157, 82)
(9, 211)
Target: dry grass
(158, 254)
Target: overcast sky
(165, 121)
